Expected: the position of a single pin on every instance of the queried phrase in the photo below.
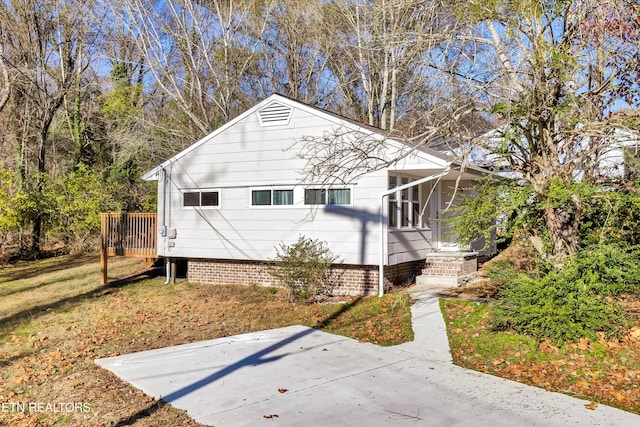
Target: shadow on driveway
(258, 358)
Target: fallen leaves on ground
(603, 370)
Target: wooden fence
(127, 234)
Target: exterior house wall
(611, 165)
(408, 245)
(246, 157)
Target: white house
(227, 201)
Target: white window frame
(397, 198)
(184, 191)
(271, 191)
(326, 198)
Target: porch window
(393, 203)
(201, 198)
(404, 205)
(405, 214)
(415, 206)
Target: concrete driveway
(298, 376)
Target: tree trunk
(562, 224)
(39, 216)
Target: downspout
(163, 176)
(381, 220)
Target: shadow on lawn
(258, 358)
(34, 312)
(28, 271)
(15, 290)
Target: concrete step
(427, 282)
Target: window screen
(283, 197)
(209, 198)
(261, 197)
(191, 199)
(315, 196)
(200, 198)
(393, 213)
(339, 196)
(415, 215)
(332, 196)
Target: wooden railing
(127, 234)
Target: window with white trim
(404, 205)
(393, 203)
(272, 197)
(404, 215)
(200, 198)
(327, 196)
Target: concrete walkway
(430, 333)
(300, 376)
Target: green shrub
(605, 270)
(303, 267)
(612, 216)
(80, 197)
(502, 272)
(570, 303)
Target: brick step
(450, 264)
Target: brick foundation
(346, 279)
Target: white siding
(408, 245)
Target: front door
(445, 238)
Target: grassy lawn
(605, 371)
(55, 319)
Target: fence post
(104, 230)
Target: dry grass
(55, 320)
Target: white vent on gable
(275, 114)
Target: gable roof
(274, 108)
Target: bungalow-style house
(226, 202)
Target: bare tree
(380, 52)
(293, 62)
(5, 87)
(196, 53)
